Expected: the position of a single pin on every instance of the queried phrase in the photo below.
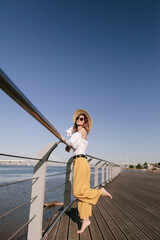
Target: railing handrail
(16, 94)
(101, 160)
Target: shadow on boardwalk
(134, 212)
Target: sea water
(11, 196)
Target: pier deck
(133, 213)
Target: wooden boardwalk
(133, 213)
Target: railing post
(116, 171)
(102, 176)
(107, 173)
(113, 172)
(96, 174)
(68, 181)
(38, 192)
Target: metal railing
(108, 169)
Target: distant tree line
(145, 166)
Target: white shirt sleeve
(75, 139)
(69, 132)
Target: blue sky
(102, 56)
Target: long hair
(85, 125)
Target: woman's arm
(73, 141)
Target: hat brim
(82, 111)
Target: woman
(81, 174)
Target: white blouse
(77, 142)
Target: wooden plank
(116, 232)
(141, 216)
(143, 194)
(145, 198)
(148, 207)
(63, 228)
(94, 229)
(73, 223)
(125, 219)
(52, 235)
(119, 222)
(137, 207)
(53, 232)
(146, 213)
(85, 235)
(102, 224)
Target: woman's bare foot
(86, 222)
(105, 193)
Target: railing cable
(57, 174)
(19, 206)
(51, 189)
(29, 179)
(61, 195)
(27, 223)
(15, 156)
(57, 161)
(30, 158)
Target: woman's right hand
(68, 148)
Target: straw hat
(82, 111)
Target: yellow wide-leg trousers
(81, 188)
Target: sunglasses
(80, 118)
